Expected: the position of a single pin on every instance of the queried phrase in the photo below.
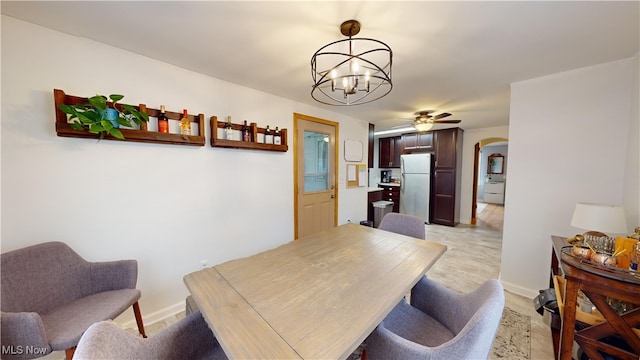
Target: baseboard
(154, 317)
(519, 290)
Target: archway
(476, 169)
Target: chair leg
(68, 353)
(136, 312)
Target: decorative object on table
(103, 115)
(599, 217)
(597, 247)
(351, 71)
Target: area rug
(513, 339)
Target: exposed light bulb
(367, 76)
(334, 73)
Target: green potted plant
(101, 117)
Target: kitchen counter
(388, 184)
(371, 189)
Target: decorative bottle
(185, 124)
(268, 137)
(246, 135)
(634, 258)
(277, 140)
(228, 129)
(163, 122)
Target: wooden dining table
(317, 297)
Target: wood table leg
(568, 319)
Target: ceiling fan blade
(446, 121)
(440, 116)
(401, 126)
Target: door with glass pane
(315, 175)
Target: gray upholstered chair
(403, 224)
(440, 324)
(189, 338)
(50, 296)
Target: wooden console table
(598, 285)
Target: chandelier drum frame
(352, 87)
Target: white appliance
(415, 185)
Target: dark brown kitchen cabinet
(418, 141)
(391, 193)
(372, 129)
(389, 152)
(447, 177)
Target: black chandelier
(351, 78)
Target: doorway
(316, 175)
(490, 183)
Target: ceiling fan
(424, 120)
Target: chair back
(403, 224)
(188, 338)
(41, 277)
(440, 324)
(478, 317)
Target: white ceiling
(458, 57)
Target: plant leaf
(116, 97)
(99, 102)
(106, 124)
(116, 133)
(123, 121)
(76, 126)
(96, 128)
(88, 117)
(68, 109)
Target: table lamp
(599, 218)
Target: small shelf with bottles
(64, 129)
(254, 132)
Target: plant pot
(111, 115)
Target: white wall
(469, 139)
(631, 201)
(166, 206)
(568, 142)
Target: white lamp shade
(600, 217)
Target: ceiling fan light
(423, 126)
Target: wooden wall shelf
(251, 145)
(64, 129)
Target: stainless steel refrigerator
(415, 185)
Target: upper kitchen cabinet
(389, 152)
(447, 176)
(372, 129)
(422, 141)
